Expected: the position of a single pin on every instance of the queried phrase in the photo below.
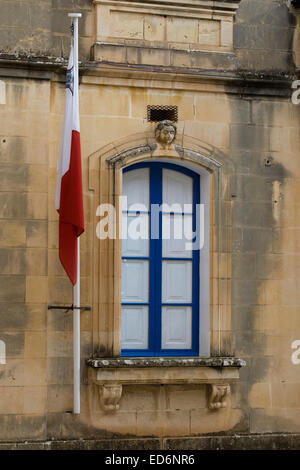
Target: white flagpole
(76, 336)
(76, 291)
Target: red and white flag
(68, 201)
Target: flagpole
(76, 335)
(76, 289)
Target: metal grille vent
(162, 113)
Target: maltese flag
(68, 201)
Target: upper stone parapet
(177, 24)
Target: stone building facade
(227, 68)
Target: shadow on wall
(259, 181)
(263, 36)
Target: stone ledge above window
(110, 374)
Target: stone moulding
(205, 6)
(122, 157)
(217, 372)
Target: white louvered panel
(176, 232)
(176, 327)
(134, 334)
(176, 281)
(136, 188)
(135, 230)
(135, 281)
(177, 189)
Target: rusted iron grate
(157, 113)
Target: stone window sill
(110, 374)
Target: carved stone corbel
(110, 395)
(218, 396)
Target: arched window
(160, 260)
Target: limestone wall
(252, 129)
(42, 28)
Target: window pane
(176, 327)
(177, 189)
(135, 230)
(176, 232)
(136, 188)
(135, 281)
(176, 281)
(134, 334)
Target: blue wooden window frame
(155, 268)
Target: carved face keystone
(165, 132)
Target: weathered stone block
(36, 261)
(36, 233)
(59, 398)
(206, 421)
(257, 239)
(12, 149)
(59, 344)
(35, 372)
(253, 214)
(16, 11)
(12, 205)
(12, 401)
(60, 370)
(245, 292)
(209, 32)
(249, 137)
(29, 427)
(139, 398)
(12, 287)
(244, 266)
(60, 290)
(12, 261)
(155, 56)
(126, 25)
(35, 344)
(12, 233)
(37, 178)
(34, 400)
(154, 28)
(260, 395)
(36, 206)
(186, 398)
(182, 30)
(13, 177)
(36, 289)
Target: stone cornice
(212, 5)
(51, 68)
(113, 363)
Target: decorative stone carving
(165, 133)
(110, 395)
(218, 396)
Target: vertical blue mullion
(155, 263)
(196, 278)
(159, 260)
(152, 277)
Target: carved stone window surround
(105, 182)
(110, 374)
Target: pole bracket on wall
(68, 307)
